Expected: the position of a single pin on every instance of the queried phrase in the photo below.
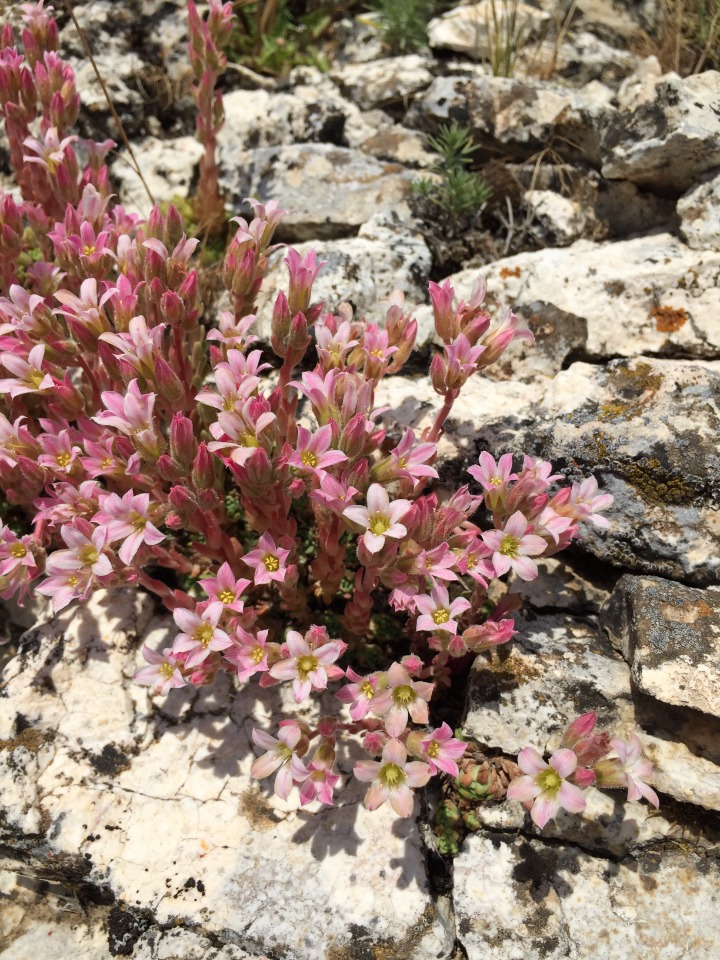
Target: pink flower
(200, 635)
(513, 547)
(380, 517)
(163, 674)
(637, 769)
(308, 666)
(313, 454)
(402, 696)
(71, 572)
(292, 744)
(28, 375)
(14, 551)
(268, 560)
(250, 653)
(437, 612)
(127, 518)
(392, 778)
(224, 590)
(588, 503)
(240, 433)
(131, 414)
(317, 779)
(441, 750)
(493, 477)
(333, 347)
(545, 788)
(59, 453)
(333, 494)
(409, 460)
(359, 693)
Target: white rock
(561, 220)
(168, 167)
(329, 191)
(640, 86)
(383, 82)
(520, 900)
(645, 295)
(699, 211)
(666, 144)
(471, 29)
(155, 803)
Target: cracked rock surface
(153, 808)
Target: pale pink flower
(437, 563)
(27, 375)
(316, 780)
(50, 152)
(408, 460)
(232, 334)
(139, 347)
(493, 477)
(392, 778)
(437, 612)
(313, 454)
(238, 434)
(224, 590)
(333, 494)
(333, 347)
(380, 518)
(249, 653)
(462, 360)
(513, 546)
(588, 503)
(130, 413)
(163, 673)
(14, 551)
(127, 518)
(59, 452)
(268, 560)
(200, 635)
(292, 743)
(638, 770)
(360, 693)
(442, 750)
(545, 789)
(308, 666)
(401, 697)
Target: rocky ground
(131, 828)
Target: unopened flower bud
(203, 470)
(168, 469)
(183, 445)
(172, 308)
(438, 375)
(169, 385)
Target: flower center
(509, 545)
(403, 695)
(428, 563)
(257, 654)
(379, 524)
(471, 562)
(249, 440)
(306, 665)
(166, 670)
(377, 352)
(433, 750)
(441, 615)
(89, 250)
(89, 555)
(204, 634)
(72, 580)
(549, 780)
(63, 459)
(272, 563)
(391, 775)
(34, 377)
(18, 550)
(402, 462)
(309, 458)
(367, 690)
(495, 482)
(106, 463)
(226, 596)
(138, 522)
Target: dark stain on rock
(110, 761)
(125, 927)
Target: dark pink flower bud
(438, 375)
(203, 471)
(183, 445)
(167, 469)
(169, 385)
(172, 308)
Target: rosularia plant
(268, 510)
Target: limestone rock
(559, 220)
(666, 144)
(581, 58)
(330, 191)
(639, 87)
(384, 82)
(167, 165)
(519, 118)
(362, 270)
(699, 211)
(647, 429)
(649, 295)
(670, 636)
(470, 30)
(560, 667)
(526, 899)
(153, 804)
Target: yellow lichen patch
(258, 811)
(669, 319)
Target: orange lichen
(669, 319)
(506, 272)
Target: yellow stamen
(63, 459)
(306, 665)
(441, 615)
(433, 750)
(272, 563)
(367, 690)
(18, 550)
(226, 596)
(204, 634)
(309, 458)
(166, 670)
(403, 695)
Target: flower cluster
(585, 758)
(144, 442)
